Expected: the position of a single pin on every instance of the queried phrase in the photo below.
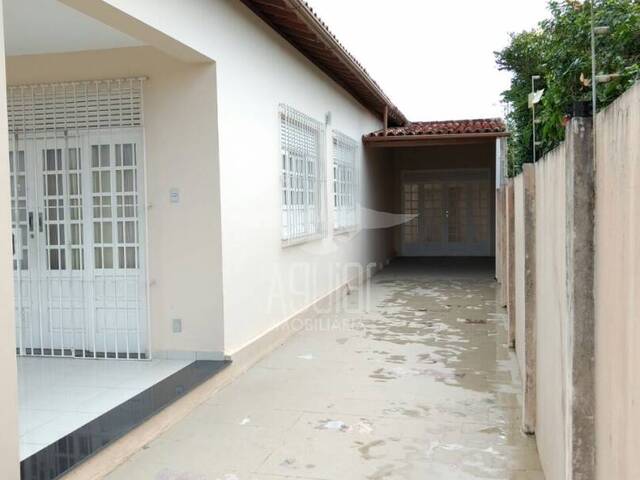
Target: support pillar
(529, 380)
(499, 245)
(511, 265)
(580, 229)
(503, 245)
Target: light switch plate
(174, 195)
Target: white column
(9, 457)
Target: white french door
(452, 213)
(78, 230)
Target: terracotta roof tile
(448, 127)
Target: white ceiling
(47, 26)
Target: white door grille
(78, 197)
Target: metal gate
(453, 213)
(78, 217)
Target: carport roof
(439, 132)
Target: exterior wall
(554, 332)
(443, 157)
(264, 284)
(586, 322)
(551, 312)
(8, 370)
(617, 279)
(524, 254)
(184, 241)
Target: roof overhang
(296, 22)
(432, 140)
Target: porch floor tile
(59, 395)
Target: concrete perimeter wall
(551, 274)
(585, 296)
(617, 289)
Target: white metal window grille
(19, 222)
(302, 162)
(75, 106)
(345, 182)
(127, 205)
(432, 214)
(410, 201)
(54, 195)
(76, 206)
(77, 191)
(102, 207)
(480, 211)
(457, 216)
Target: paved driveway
(408, 378)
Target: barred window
(345, 181)
(302, 142)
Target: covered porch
(442, 178)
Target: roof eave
(308, 15)
(431, 140)
(311, 21)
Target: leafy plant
(559, 51)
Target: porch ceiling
(48, 26)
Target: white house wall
(181, 152)
(263, 282)
(258, 70)
(8, 370)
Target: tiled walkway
(411, 379)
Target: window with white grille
(302, 163)
(345, 182)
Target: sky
(433, 58)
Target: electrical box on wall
(176, 325)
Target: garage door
(452, 213)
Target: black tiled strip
(66, 453)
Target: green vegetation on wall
(559, 50)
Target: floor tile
(59, 395)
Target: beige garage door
(453, 213)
